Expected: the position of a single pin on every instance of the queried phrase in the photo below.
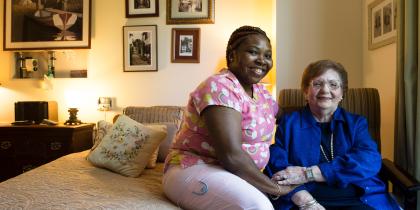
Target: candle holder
(73, 117)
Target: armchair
(365, 101)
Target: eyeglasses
(332, 84)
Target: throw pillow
(103, 127)
(127, 147)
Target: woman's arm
(224, 127)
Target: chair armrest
(399, 177)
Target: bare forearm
(243, 166)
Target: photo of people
(140, 47)
(186, 45)
(377, 27)
(141, 4)
(190, 6)
(387, 18)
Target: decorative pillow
(127, 147)
(103, 127)
(172, 130)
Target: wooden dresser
(23, 148)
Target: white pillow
(127, 147)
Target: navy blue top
(356, 158)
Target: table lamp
(104, 104)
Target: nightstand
(23, 148)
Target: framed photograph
(185, 45)
(46, 24)
(382, 20)
(140, 48)
(189, 11)
(141, 8)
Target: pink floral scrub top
(192, 143)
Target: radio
(36, 111)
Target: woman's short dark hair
(318, 68)
(238, 36)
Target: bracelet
(308, 204)
(277, 196)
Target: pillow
(103, 127)
(127, 146)
(172, 130)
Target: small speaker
(36, 111)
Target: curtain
(407, 126)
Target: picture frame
(141, 8)
(382, 21)
(140, 48)
(190, 12)
(47, 24)
(185, 45)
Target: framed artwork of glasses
(382, 20)
(189, 11)
(141, 8)
(47, 24)
(185, 45)
(140, 48)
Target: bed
(74, 181)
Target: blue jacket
(357, 160)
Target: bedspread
(71, 182)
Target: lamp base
(73, 117)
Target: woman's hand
(292, 175)
(304, 200)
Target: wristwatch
(309, 174)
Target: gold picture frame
(190, 11)
(382, 21)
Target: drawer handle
(55, 145)
(5, 145)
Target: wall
(379, 71)
(312, 30)
(169, 86)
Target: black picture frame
(141, 8)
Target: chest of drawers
(25, 147)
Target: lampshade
(104, 103)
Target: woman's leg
(207, 186)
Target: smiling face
(251, 60)
(324, 93)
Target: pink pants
(206, 186)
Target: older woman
(327, 150)
(224, 142)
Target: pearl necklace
(331, 147)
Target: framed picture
(141, 8)
(46, 24)
(185, 45)
(189, 11)
(382, 20)
(140, 48)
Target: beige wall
(335, 29)
(169, 86)
(379, 71)
(318, 29)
